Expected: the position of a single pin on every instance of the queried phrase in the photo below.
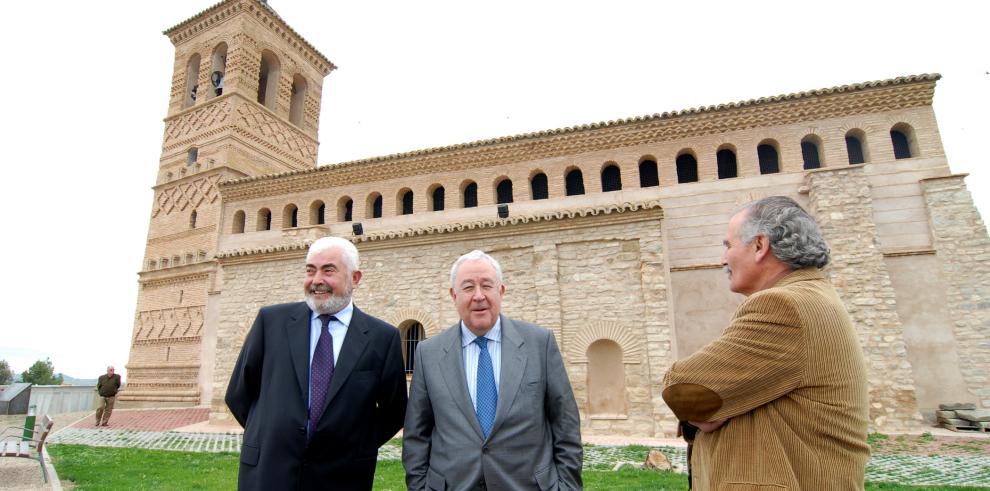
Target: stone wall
(841, 201)
(963, 250)
(585, 278)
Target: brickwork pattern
(841, 202)
(963, 250)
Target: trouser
(104, 409)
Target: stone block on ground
(954, 421)
(960, 428)
(952, 406)
(981, 415)
(657, 460)
(945, 414)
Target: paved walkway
(187, 430)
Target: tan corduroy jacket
(789, 374)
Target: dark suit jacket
(535, 442)
(269, 391)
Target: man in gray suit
(490, 404)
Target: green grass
(102, 468)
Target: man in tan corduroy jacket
(780, 398)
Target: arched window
(905, 144)
(470, 193)
(687, 168)
(855, 147)
(192, 219)
(811, 152)
(290, 216)
(606, 379)
(726, 162)
(317, 213)
(574, 182)
(218, 68)
(238, 225)
(405, 202)
(538, 186)
(649, 176)
(345, 209)
(437, 198)
(268, 74)
(373, 206)
(192, 81)
(264, 220)
(192, 155)
(769, 157)
(611, 178)
(152, 264)
(503, 191)
(298, 103)
(412, 334)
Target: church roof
(671, 115)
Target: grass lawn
(102, 468)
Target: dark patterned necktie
(321, 371)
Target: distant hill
(77, 381)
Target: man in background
(107, 386)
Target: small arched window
(298, 103)
(373, 205)
(437, 198)
(649, 176)
(238, 225)
(192, 81)
(192, 219)
(345, 209)
(687, 168)
(606, 379)
(290, 216)
(538, 186)
(905, 145)
(268, 74)
(725, 160)
(855, 147)
(769, 157)
(503, 191)
(192, 155)
(470, 194)
(412, 334)
(811, 152)
(264, 220)
(218, 69)
(317, 213)
(611, 178)
(574, 182)
(406, 202)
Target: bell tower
(245, 101)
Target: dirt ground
(931, 443)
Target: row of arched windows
(269, 72)
(686, 166)
(176, 260)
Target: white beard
(333, 304)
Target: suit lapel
(297, 331)
(351, 351)
(452, 369)
(513, 368)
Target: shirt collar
(343, 316)
(493, 334)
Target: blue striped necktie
(487, 394)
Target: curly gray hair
(795, 238)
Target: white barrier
(58, 399)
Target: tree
(42, 373)
(6, 374)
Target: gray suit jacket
(535, 442)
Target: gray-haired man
(490, 404)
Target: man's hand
(710, 426)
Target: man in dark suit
(319, 385)
(490, 404)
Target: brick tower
(245, 101)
